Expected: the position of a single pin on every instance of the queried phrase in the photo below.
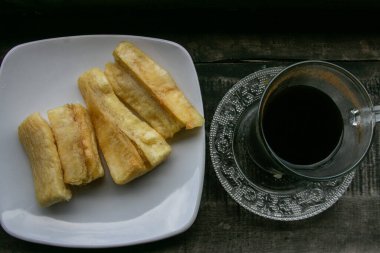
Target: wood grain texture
(291, 46)
(222, 57)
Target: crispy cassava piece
(77, 148)
(136, 96)
(103, 104)
(122, 157)
(158, 82)
(38, 141)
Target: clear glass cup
(358, 115)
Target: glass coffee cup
(315, 120)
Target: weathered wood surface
(221, 59)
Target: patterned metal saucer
(286, 198)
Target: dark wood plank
(211, 32)
(285, 46)
(224, 15)
(240, 48)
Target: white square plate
(41, 75)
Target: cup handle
(376, 111)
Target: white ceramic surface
(41, 75)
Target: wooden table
(226, 45)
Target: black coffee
(302, 124)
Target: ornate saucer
(280, 198)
